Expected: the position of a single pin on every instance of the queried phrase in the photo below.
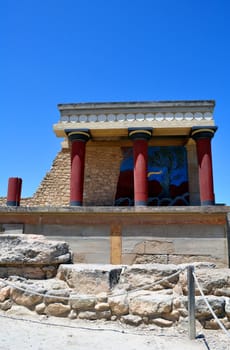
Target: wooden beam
(115, 244)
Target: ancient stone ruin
(38, 275)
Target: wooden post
(115, 244)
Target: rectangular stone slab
(90, 278)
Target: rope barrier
(149, 285)
(33, 292)
(209, 307)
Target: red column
(140, 139)
(14, 191)
(78, 139)
(203, 137)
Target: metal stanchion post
(191, 303)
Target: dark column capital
(203, 132)
(140, 133)
(78, 134)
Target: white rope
(33, 292)
(149, 285)
(209, 307)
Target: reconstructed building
(133, 182)
(146, 153)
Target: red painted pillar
(78, 139)
(14, 191)
(140, 139)
(203, 136)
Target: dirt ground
(25, 331)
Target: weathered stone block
(82, 302)
(105, 315)
(119, 305)
(87, 315)
(151, 305)
(40, 308)
(102, 307)
(6, 305)
(132, 320)
(89, 278)
(161, 322)
(31, 256)
(32, 250)
(202, 310)
(143, 276)
(57, 309)
(26, 299)
(56, 296)
(159, 247)
(4, 293)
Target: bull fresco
(167, 177)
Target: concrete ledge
(108, 215)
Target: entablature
(167, 118)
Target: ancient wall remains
(139, 294)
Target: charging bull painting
(167, 177)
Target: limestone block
(203, 312)
(102, 307)
(151, 304)
(151, 259)
(172, 316)
(24, 249)
(82, 302)
(4, 293)
(211, 324)
(159, 247)
(26, 299)
(142, 276)
(40, 308)
(222, 292)
(90, 278)
(6, 305)
(212, 281)
(57, 309)
(161, 322)
(72, 315)
(87, 315)
(34, 272)
(119, 305)
(105, 315)
(19, 310)
(132, 320)
(55, 296)
(226, 322)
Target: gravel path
(26, 331)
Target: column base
(140, 203)
(207, 202)
(75, 204)
(12, 204)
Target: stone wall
(55, 187)
(140, 294)
(31, 256)
(102, 170)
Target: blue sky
(69, 51)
